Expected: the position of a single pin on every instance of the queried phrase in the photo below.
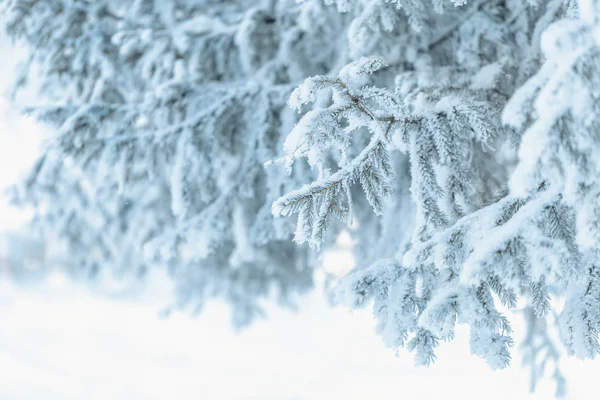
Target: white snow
(60, 342)
(487, 77)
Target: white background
(58, 341)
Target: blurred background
(60, 340)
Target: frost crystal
(455, 141)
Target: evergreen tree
(164, 114)
(462, 163)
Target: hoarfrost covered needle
(463, 164)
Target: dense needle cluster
(164, 114)
(455, 141)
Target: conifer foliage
(164, 113)
(455, 141)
